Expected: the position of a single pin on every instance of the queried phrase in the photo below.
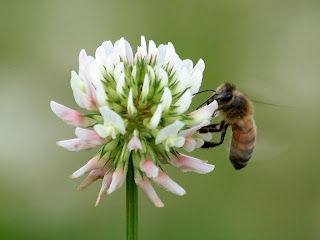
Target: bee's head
(223, 94)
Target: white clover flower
(137, 110)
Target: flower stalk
(132, 204)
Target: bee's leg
(216, 127)
(214, 144)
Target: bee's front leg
(214, 144)
(216, 127)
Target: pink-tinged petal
(166, 183)
(189, 132)
(105, 186)
(190, 144)
(134, 144)
(202, 114)
(90, 136)
(94, 163)
(75, 144)
(118, 178)
(147, 188)
(70, 116)
(186, 163)
(148, 166)
(93, 176)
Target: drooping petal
(202, 114)
(90, 136)
(105, 186)
(75, 144)
(148, 166)
(190, 144)
(172, 129)
(166, 183)
(70, 116)
(189, 132)
(147, 188)
(118, 178)
(186, 163)
(134, 143)
(93, 176)
(94, 163)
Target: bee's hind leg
(214, 144)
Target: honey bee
(236, 110)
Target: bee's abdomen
(243, 142)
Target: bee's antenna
(202, 104)
(208, 90)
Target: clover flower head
(136, 110)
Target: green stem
(132, 204)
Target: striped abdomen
(243, 142)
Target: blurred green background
(269, 49)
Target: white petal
(82, 62)
(148, 166)
(195, 81)
(76, 144)
(163, 78)
(118, 178)
(119, 69)
(183, 103)
(102, 130)
(179, 142)
(155, 118)
(200, 65)
(147, 188)
(145, 87)
(183, 80)
(130, 106)
(143, 47)
(188, 64)
(129, 52)
(101, 56)
(172, 129)
(170, 53)
(112, 118)
(199, 143)
(121, 84)
(202, 114)
(162, 49)
(94, 163)
(152, 51)
(165, 182)
(108, 47)
(166, 99)
(186, 163)
(70, 116)
(189, 132)
(105, 186)
(80, 93)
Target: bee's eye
(226, 97)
